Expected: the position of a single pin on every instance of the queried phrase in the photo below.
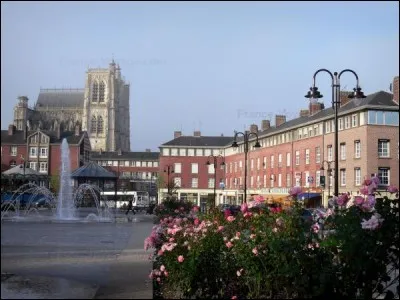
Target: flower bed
(261, 253)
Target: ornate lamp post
(329, 173)
(169, 170)
(246, 137)
(313, 94)
(215, 159)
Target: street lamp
(23, 159)
(329, 173)
(313, 94)
(215, 158)
(246, 137)
(169, 170)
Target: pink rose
(238, 234)
(315, 228)
(176, 211)
(180, 258)
(255, 251)
(195, 208)
(358, 200)
(220, 228)
(244, 208)
(230, 218)
(367, 182)
(227, 213)
(160, 252)
(275, 229)
(196, 221)
(162, 268)
(234, 297)
(229, 245)
(165, 273)
(364, 190)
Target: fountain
(66, 207)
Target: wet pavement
(76, 260)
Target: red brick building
(294, 152)
(41, 150)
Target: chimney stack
(344, 97)
(148, 150)
(395, 89)
(253, 128)
(279, 120)
(197, 133)
(11, 129)
(177, 134)
(26, 132)
(304, 113)
(265, 125)
(316, 108)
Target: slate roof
(60, 98)
(200, 141)
(92, 170)
(375, 100)
(125, 155)
(18, 137)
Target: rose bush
(270, 253)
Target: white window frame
(328, 127)
(177, 181)
(210, 168)
(343, 177)
(195, 182)
(318, 155)
(340, 123)
(43, 167)
(14, 151)
(182, 152)
(43, 152)
(211, 183)
(33, 151)
(272, 159)
(297, 157)
(347, 122)
(33, 165)
(343, 151)
(357, 176)
(288, 159)
(381, 148)
(307, 156)
(279, 160)
(354, 120)
(357, 149)
(195, 168)
(177, 168)
(330, 153)
(382, 182)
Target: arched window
(95, 92)
(100, 125)
(102, 91)
(94, 125)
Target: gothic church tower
(106, 109)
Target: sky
(216, 67)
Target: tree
(55, 183)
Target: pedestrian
(130, 207)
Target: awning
(304, 196)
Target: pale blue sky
(198, 65)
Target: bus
(140, 199)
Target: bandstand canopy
(19, 169)
(93, 171)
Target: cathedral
(101, 109)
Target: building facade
(101, 109)
(40, 150)
(297, 152)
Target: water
(66, 209)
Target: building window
(288, 180)
(34, 139)
(347, 122)
(392, 118)
(258, 163)
(288, 159)
(100, 124)
(252, 164)
(330, 153)
(251, 181)
(190, 152)
(13, 163)
(279, 160)
(265, 162)
(43, 139)
(195, 168)
(174, 152)
(354, 120)
(182, 152)
(13, 150)
(342, 177)
(328, 127)
(211, 168)
(177, 181)
(357, 176)
(272, 161)
(342, 151)
(177, 168)
(195, 182)
(33, 165)
(317, 178)
(155, 164)
(300, 132)
(340, 123)
(297, 158)
(43, 152)
(102, 89)
(211, 183)
(95, 92)
(93, 124)
(357, 149)
(317, 155)
(199, 152)
(279, 180)
(33, 151)
(307, 156)
(384, 176)
(43, 167)
(383, 148)
(265, 180)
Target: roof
(125, 155)
(200, 141)
(18, 137)
(92, 170)
(60, 98)
(19, 169)
(381, 98)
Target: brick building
(293, 152)
(187, 157)
(41, 149)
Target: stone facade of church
(101, 109)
